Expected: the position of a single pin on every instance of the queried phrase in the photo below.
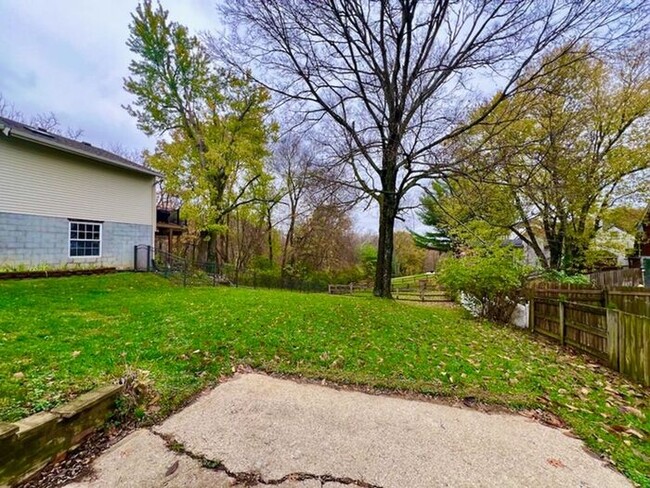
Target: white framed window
(85, 239)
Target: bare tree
(393, 77)
(292, 164)
(47, 121)
(9, 110)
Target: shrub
(492, 280)
(556, 276)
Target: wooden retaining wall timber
(30, 444)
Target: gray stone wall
(33, 240)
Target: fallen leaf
(75, 353)
(172, 469)
(556, 463)
(19, 375)
(632, 410)
(635, 433)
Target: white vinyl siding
(41, 181)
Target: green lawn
(59, 337)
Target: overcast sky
(69, 57)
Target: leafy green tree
(565, 152)
(431, 214)
(409, 257)
(462, 213)
(215, 146)
(368, 258)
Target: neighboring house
(641, 257)
(642, 244)
(613, 241)
(616, 242)
(64, 202)
(530, 257)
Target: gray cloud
(69, 57)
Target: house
(641, 257)
(642, 244)
(611, 246)
(614, 242)
(65, 202)
(169, 228)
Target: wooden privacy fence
(620, 339)
(631, 299)
(617, 277)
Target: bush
(562, 277)
(492, 280)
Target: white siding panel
(41, 181)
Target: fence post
(562, 325)
(531, 313)
(605, 297)
(613, 324)
(351, 289)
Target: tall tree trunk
(556, 251)
(269, 232)
(383, 274)
(288, 241)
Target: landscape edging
(30, 444)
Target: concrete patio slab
(256, 423)
(295, 435)
(142, 460)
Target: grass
(59, 337)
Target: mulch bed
(56, 273)
(77, 463)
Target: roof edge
(25, 135)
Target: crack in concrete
(247, 478)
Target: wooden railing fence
(423, 290)
(350, 289)
(620, 339)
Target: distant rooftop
(12, 128)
